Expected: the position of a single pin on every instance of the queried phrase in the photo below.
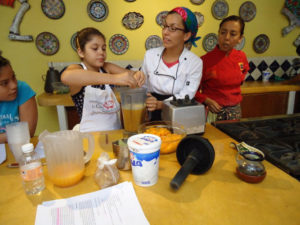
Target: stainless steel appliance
(188, 113)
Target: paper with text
(116, 205)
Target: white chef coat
(180, 80)
(100, 109)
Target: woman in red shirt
(224, 70)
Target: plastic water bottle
(31, 170)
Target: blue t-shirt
(9, 110)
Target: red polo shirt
(222, 77)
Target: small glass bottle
(31, 170)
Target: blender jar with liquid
(133, 108)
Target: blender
(133, 108)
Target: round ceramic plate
(220, 9)
(241, 45)
(197, 2)
(73, 41)
(47, 43)
(160, 18)
(53, 9)
(200, 18)
(247, 11)
(118, 44)
(210, 41)
(133, 20)
(153, 41)
(97, 10)
(261, 43)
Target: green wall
(29, 64)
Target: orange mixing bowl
(169, 132)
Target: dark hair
(85, 35)
(186, 30)
(234, 18)
(3, 62)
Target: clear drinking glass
(17, 135)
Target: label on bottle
(31, 171)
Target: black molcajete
(196, 155)
(51, 77)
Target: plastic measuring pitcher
(133, 108)
(65, 155)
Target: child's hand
(126, 79)
(140, 77)
(152, 103)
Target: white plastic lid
(145, 143)
(27, 148)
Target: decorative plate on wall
(47, 43)
(153, 41)
(160, 18)
(53, 9)
(73, 41)
(118, 44)
(220, 9)
(200, 18)
(261, 43)
(241, 45)
(210, 41)
(133, 20)
(197, 2)
(97, 10)
(247, 11)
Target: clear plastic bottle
(31, 170)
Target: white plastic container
(144, 156)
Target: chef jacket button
(184, 58)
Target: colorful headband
(190, 21)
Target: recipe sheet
(116, 205)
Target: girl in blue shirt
(17, 100)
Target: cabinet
(264, 104)
(72, 116)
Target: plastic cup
(17, 135)
(144, 156)
(265, 76)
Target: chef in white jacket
(172, 70)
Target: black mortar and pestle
(196, 156)
(51, 77)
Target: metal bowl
(60, 88)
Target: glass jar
(250, 167)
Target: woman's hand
(152, 103)
(212, 105)
(140, 78)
